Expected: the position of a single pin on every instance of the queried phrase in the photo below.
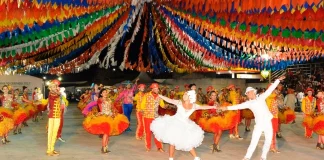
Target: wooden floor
(80, 145)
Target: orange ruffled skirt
(6, 125)
(287, 116)
(308, 122)
(247, 114)
(42, 105)
(20, 115)
(82, 105)
(318, 124)
(225, 121)
(104, 124)
(6, 112)
(31, 110)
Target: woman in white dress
(178, 130)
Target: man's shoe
(62, 140)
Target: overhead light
(114, 69)
(265, 74)
(233, 75)
(229, 71)
(47, 83)
(44, 77)
(60, 78)
(218, 72)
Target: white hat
(248, 89)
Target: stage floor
(80, 145)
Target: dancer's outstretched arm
(244, 105)
(272, 88)
(205, 107)
(172, 101)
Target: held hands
(222, 108)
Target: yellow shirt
(150, 105)
(308, 106)
(272, 104)
(138, 98)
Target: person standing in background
(127, 97)
(291, 100)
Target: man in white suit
(262, 118)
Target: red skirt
(104, 124)
(318, 122)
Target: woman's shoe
(104, 150)
(7, 141)
(15, 132)
(197, 158)
(3, 141)
(274, 150)
(238, 137)
(216, 148)
(319, 146)
(19, 131)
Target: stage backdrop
(17, 81)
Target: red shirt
(319, 104)
(54, 106)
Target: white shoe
(197, 158)
(62, 140)
(238, 137)
(231, 136)
(170, 158)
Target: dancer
(272, 103)
(179, 131)
(234, 99)
(29, 106)
(6, 112)
(308, 108)
(40, 102)
(247, 114)
(319, 120)
(286, 115)
(150, 104)
(85, 98)
(107, 122)
(54, 116)
(139, 113)
(262, 118)
(20, 114)
(127, 97)
(201, 98)
(64, 103)
(291, 100)
(216, 121)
